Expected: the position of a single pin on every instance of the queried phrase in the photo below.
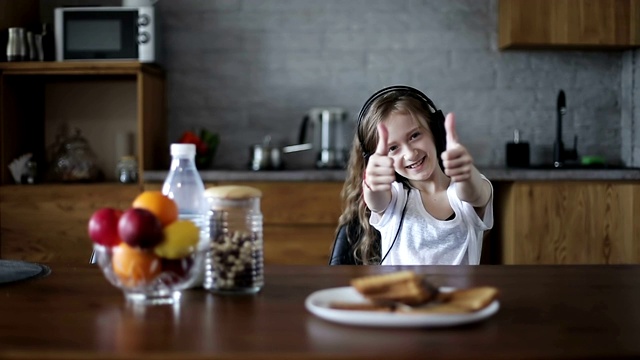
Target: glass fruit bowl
(148, 251)
(146, 278)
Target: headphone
(436, 116)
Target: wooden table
(547, 312)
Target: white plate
(318, 304)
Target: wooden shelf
(79, 68)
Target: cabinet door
(48, 223)
(570, 223)
(569, 23)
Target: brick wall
(630, 108)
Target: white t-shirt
(425, 240)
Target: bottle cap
(183, 149)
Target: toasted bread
(473, 299)
(405, 287)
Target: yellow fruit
(160, 205)
(133, 266)
(180, 238)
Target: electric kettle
(325, 129)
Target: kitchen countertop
(492, 173)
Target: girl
(412, 194)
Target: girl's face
(411, 147)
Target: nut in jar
(234, 261)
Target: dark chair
(342, 252)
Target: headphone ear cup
(440, 135)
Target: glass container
(234, 261)
(75, 161)
(144, 277)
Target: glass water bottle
(184, 185)
(234, 262)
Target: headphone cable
(404, 210)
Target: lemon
(180, 238)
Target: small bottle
(31, 173)
(234, 262)
(185, 186)
(127, 170)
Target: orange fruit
(134, 266)
(160, 205)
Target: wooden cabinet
(571, 24)
(25, 88)
(48, 223)
(572, 222)
(299, 219)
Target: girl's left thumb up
(450, 128)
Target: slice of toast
(473, 299)
(405, 287)
(457, 302)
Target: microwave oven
(106, 33)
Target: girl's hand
(380, 173)
(457, 161)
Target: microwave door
(98, 35)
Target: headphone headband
(437, 115)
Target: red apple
(103, 227)
(140, 228)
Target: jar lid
(233, 192)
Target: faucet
(560, 155)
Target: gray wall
(248, 68)
(630, 108)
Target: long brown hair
(364, 239)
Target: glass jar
(234, 262)
(75, 161)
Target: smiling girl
(412, 194)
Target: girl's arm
(458, 164)
(476, 191)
